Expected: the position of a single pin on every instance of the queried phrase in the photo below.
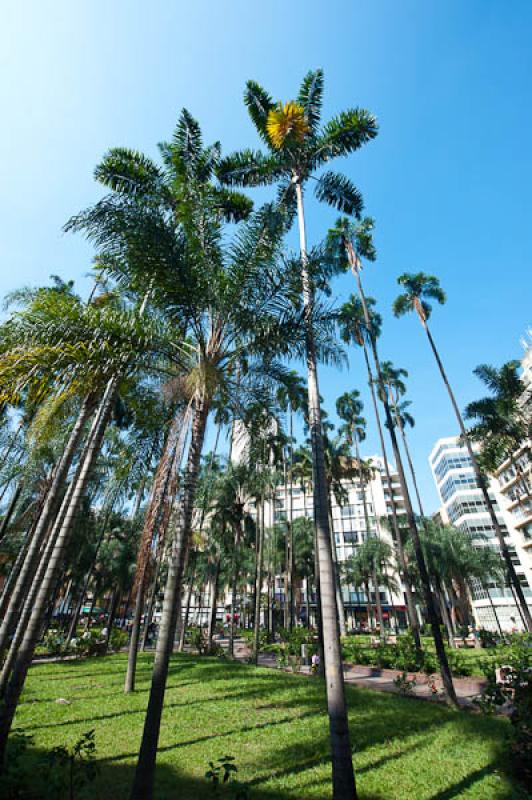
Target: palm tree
(241, 318)
(501, 424)
(362, 236)
(394, 382)
(419, 289)
(354, 328)
(297, 147)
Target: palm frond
(310, 97)
(259, 104)
(339, 192)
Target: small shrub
(404, 684)
(118, 639)
(221, 772)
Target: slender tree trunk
(286, 577)
(145, 770)
(258, 579)
(493, 608)
(292, 566)
(410, 604)
(514, 580)
(368, 606)
(169, 459)
(342, 763)
(29, 641)
(338, 585)
(111, 619)
(51, 502)
(190, 588)
(214, 598)
(10, 511)
(151, 602)
(422, 567)
(445, 614)
(75, 617)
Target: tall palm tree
(394, 382)
(354, 329)
(500, 421)
(244, 317)
(297, 147)
(357, 241)
(419, 289)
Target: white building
(515, 474)
(350, 531)
(464, 507)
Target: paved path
(382, 679)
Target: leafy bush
(487, 638)
(53, 643)
(63, 771)
(118, 639)
(510, 682)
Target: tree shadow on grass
(115, 780)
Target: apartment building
(350, 530)
(462, 505)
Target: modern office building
(462, 505)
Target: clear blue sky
(448, 178)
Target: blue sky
(448, 178)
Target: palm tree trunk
(514, 580)
(342, 764)
(75, 617)
(368, 606)
(171, 455)
(292, 565)
(445, 613)
(151, 602)
(493, 607)
(213, 601)
(410, 604)
(145, 769)
(28, 568)
(190, 589)
(338, 585)
(258, 579)
(412, 525)
(31, 634)
(408, 456)
(10, 511)
(111, 619)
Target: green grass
(273, 723)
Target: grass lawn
(273, 723)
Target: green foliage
(403, 656)
(404, 684)
(221, 772)
(64, 771)
(510, 683)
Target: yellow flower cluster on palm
(284, 121)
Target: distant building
(464, 507)
(350, 531)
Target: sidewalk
(382, 679)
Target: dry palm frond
(287, 121)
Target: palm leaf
(310, 97)
(339, 192)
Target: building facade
(350, 531)
(463, 506)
